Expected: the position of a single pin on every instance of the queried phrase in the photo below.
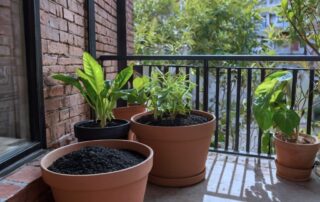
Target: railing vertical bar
(205, 85)
(262, 76)
(165, 69)
(249, 101)
(236, 148)
(139, 69)
(198, 88)
(216, 134)
(228, 108)
(310, 101)
(294, 88)
(177, 70)
(150, 70)
(188, 73)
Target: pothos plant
(271, 109)
(99, 93)
(169, 95)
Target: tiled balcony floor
(234, 178)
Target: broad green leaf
(284, 5)
(122, 77)
(140, 82)
(286, 120)
(91, 81)
(262, 114)
(94, 70)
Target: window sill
(25, 185)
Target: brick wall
(64, 38)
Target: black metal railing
(225, 86)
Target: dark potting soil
(96, 124)
(96, 159)
(180, 120)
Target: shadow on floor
(232, 178)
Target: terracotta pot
(180, 152)
(119, 186)
(129, 111)
(295, 161)
(126, 113)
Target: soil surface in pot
(300, 139)
(96, 124)
(94, 160)
(180, 120)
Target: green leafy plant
(271, 109)
(138, 95)
(170, 95)
(101, 95)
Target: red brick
(56, 91)
(49, 33)
(62, 2)
(70, 60)
(54, 47)
(79, 41)
(68, 15)
(66, 37)
(64, 114)
(49, 60)
(53, 103)
(79, 20)
(8, 190)
(26, 174)
(76, 51)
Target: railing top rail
(214, 57)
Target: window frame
(33, 55)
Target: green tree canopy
(196, 26)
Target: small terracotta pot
(128, 112)
(180, 152)
(119, 186)
(295, 161)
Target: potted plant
(136, 98)
(99, 171)
(179, 136)
(295, 151)
(102, 97)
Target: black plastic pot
(84, 132)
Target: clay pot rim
(148, 158)
(99, 128)
(137, 116)
(128, 107)
(298, 144)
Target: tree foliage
(196, 26)
(303, 16)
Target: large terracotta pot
(126, 113)
(295, 161)
(119, 186)
(180, 152)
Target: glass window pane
(14, 114)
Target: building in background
(270, 18)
